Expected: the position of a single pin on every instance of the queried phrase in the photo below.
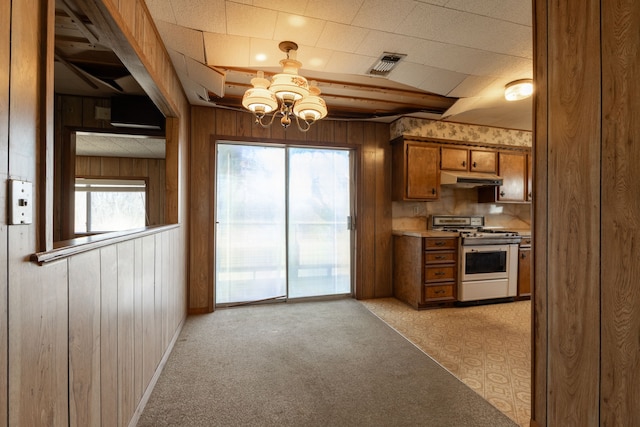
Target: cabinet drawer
(439, 257)
(442, 291)
(439, 274)
(444, 243)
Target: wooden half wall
(370, 141)
(586, 344)
(81, 338)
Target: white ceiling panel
(349, 63)
(299, 29)
(471, 86)
(203, 15)
(265, 53)
(184, 40)
(250, 21)
(383, 15)
(313, 58)
(341, 37)
(206, 76)
(516, 11)
(343, 11)
(465, 29)
(290, 6)
(437, 80)
(225, 50)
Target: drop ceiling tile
(441, 24)
(343, 11)
(250, 21)
(204, 15)
(435, 2)
(314, 58)
(468, 60)
(227, 51)
(184, 40)
(161, 10)
(516, 11)
(437, 80)
(299, 29)
(383, 15)
(178, 60)
(348, 63)
(206, 76)
(341, 37)
(290, 6)
(265, 54)
(471, 86)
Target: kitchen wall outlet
(416, 210)
(20, 202)
(103, 113)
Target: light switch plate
(21, 202)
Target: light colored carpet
(488, 347)
(325, 363)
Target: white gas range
(487, 258)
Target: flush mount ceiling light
(287, 94)
(518, 89)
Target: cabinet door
(524, 272)
(513, 169)
(422, 172)
(483, 161)
(529, 177)
(455, 159)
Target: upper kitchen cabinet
(463, 159)
(512, 167)
(416, 174)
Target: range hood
(469, 179)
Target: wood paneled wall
(373, 192)
(123, 312)
(84, 335)
(5, 64)
(126, 167)
(586, 152)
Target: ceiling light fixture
(518, 89)
(288, 94)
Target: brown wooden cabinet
(524, 269)
(529, 177)
(425, 270)
(416, 174)
(512, 167)
(464, 159)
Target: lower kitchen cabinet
(524, 269)
(425, 270)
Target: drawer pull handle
(440, 273)
(439, 291)
(440, 243)
(441, 257)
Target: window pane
(80, 221)
(251, 218)
(114, 211)
(319, 204)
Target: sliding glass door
(281, 223)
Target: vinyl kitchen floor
(488, 347)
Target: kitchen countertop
(524, 232)
(425, 233)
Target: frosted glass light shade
(518, 89)
(311, 107)
(259, 99)
(288, 84)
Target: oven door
(484, 262)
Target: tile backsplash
(460, 201)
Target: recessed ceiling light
(261, 57)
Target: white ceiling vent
(386, 63)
